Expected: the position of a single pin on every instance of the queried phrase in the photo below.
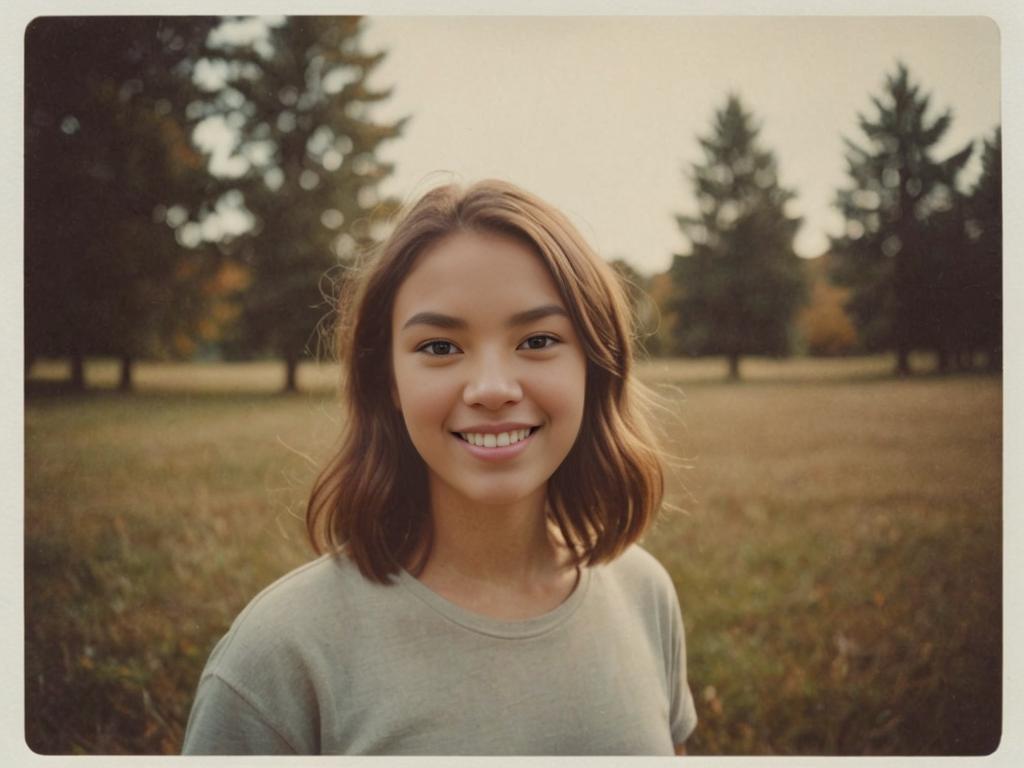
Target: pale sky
(599, 115)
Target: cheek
(563, 391)
(425, 401)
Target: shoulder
(326, 580)
(641, 570)
(289, 620)
(263, 683)
(642, 585)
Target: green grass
(838, 560)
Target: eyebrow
(439, 320)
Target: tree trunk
(734, 366)
(902, 362)
(942, 359)
(291, 370)
(994, 359)
(125, 384)
(77, 370)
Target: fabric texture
(326, 662)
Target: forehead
(478, 273)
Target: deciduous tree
(824, 326)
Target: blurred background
(806, 211)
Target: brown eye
(438, 348)
(539, 342)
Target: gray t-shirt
(325, 662)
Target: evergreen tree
(735, 293)
(107, 155)
(302, 112)
(985, 230)
(888, 255)
(948, 325)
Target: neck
(508, 544)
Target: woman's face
(483, 351)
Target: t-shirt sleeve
(682, 713)
(224, 722)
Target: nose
(493, 383)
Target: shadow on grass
(788, 380)
(44, 391)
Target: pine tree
(736, 292)
(107, 154)
(888, 255)
(948, 325)
(985, 230)
(302, 112)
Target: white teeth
(490, 440)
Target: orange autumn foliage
(823, 323)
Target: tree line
(920, 258)
(123, 256)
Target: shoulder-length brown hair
(372, 501)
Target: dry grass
(838, 564)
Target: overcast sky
(600, 115)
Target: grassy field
(838, 558)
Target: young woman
(481, 591)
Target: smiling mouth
(491, 440)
